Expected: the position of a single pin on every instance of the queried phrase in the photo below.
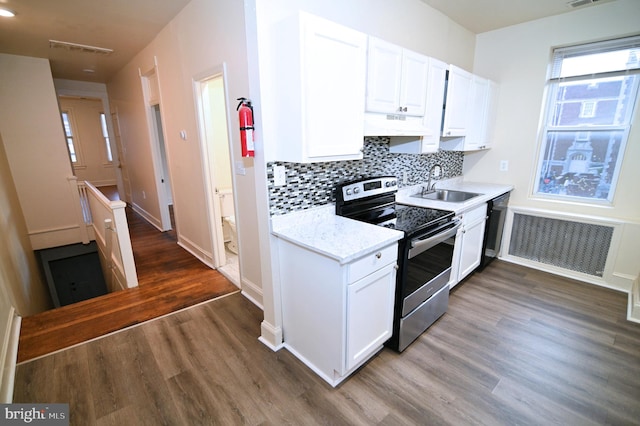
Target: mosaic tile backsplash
(312, 185)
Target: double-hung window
(591, 95)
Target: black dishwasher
(496, 215)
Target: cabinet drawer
(475, 214)
(372, 262)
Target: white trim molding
(9, 356)
(633, 314)
(271, 336)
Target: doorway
(151, 94)
(165, 196)
(219, 183)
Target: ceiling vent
(578, 3)
(75, 47)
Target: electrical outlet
(405, 177)
(504, 165)
(279, 175)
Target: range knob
(393, 183)
(348, 191)
(387, 184)
(356, 190)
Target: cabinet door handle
(378, 255)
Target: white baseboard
(147, 216)
(54, 237)
(253, 292)
(108, 182)
(623, 283)
(271, 336)
(567, 273)
(197, 251)
(9, 356)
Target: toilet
(228, 220)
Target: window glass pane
(72, 150)
(66, 121)
(580, 164)
(105, 135)
(599, 63)
(593, 102)
(67, 125)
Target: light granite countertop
(321, 230)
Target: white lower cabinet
(336, 316)
(468, 246)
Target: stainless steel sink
(447, 195)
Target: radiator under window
(577, 246)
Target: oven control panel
(367, 188)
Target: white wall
(203, 36)
(22, 291)
(36, 149)
(20, 277)
(517, 57)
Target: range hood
(394, 125)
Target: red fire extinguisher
(245, 116)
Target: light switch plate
(504, 165)
(240, 170)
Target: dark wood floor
(169, 279)
(517, 347)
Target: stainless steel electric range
(425, 253)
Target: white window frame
(553, 85)
(79, 163)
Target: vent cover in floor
(577, 246)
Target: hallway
(170, 279)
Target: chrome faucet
(431, 188)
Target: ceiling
(480, 16)
(127, 26)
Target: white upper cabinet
(413, 88)
(482, 118)
(490, 110)
(396, 79)
(319, 69)
(456, 113)
(432, 120)
(478, 96)
(435, 101)
(479, 115)
(384, 71)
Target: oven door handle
(419, 246)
